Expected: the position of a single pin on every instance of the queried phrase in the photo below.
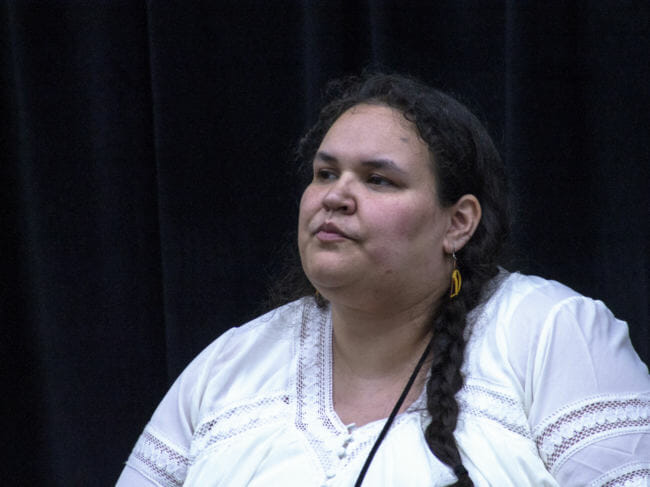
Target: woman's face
(370, 225)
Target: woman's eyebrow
(324, 156)
(386, 164)
(380, 163)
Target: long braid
(444, 382)
(446, 379)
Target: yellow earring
(456, 280)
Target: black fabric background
(147, 181)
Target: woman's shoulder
(243, 375)
(512, 290)
(530, 325)
(246, 354)
(522, 306)
(278, 323)
(276, 329)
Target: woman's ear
(465, 215)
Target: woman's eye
(378, 180)
(324, 175)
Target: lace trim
(586, 422)
(314, 385)
(159, 461)
(334, 446)
(239, 419)
(506, 410)
(632, 475)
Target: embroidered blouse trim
(159, 460)
(585, 422)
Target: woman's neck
(373, 358)
(374, 345)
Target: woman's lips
(328, 232)
(329, 236)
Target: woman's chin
(325, 282)
(329, 278)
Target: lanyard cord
(391, 418)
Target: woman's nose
(339, 198)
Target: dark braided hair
(464, 161)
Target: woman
(487, 378)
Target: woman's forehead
(373, 130)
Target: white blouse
(554, 395)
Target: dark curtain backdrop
(147, 183)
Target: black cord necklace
(391, 418)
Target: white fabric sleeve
(130, 477)
(589, 398)
(161, 454)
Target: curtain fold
(148, 181)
